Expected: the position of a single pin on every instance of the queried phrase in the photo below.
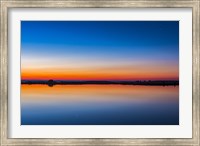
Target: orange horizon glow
(95, 75)
(97, 69)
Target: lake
(99, 105)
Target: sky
(100, 50)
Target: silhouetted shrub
(50, 83)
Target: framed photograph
(100, 72)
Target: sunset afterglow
(104, 50)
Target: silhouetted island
(76, 82)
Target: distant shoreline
(63, 82)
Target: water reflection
(99, 105)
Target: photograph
(99, 72)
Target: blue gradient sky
(98, 48)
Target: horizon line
(62, 82)
(99, 80)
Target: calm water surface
(99, 105)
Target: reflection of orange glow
(98, 92)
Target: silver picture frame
(4, 91)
